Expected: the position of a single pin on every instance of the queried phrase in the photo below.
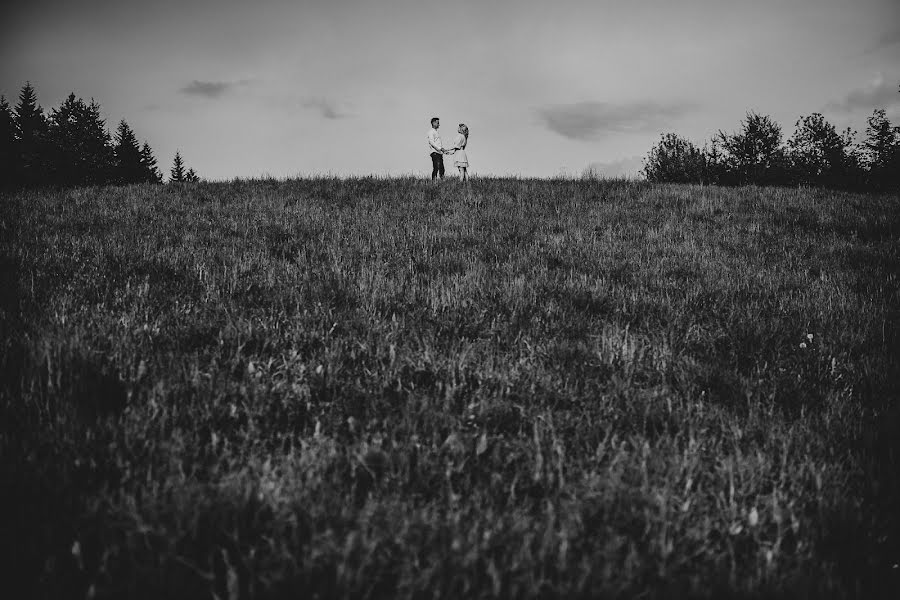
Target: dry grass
(373, 388)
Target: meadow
(384, 388)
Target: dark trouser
(437, 165)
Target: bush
(675, 160)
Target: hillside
(382, 388)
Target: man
(436, 149)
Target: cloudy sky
(287, 88)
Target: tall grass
(371, 388)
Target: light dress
(460, 159)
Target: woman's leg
(462, 172)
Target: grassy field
(381, 388)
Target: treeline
(815, 155)
(72, 146)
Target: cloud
(211, 89)
(887, 40)
(328, 109)
(589, 120)
(623, 167)
(878, 93)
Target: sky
(337, 87)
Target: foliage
(71, 147)
(129, 166)
(815, 155)
(819, 155)
(675, 160)
(881, 150)
(31, 138)
(177, 174)
(80, 143)
(150, 171)
(387, 389)
(7, 144)
(754, 154)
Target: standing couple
(438, 151)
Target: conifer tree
(67, 142)
(7, 144)
(127, 156)
(177, 173)
(31, 137)
(149, 171)
(192, 176)
(98, 150)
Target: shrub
(675, 160)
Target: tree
(177, 173)
(127, 156)
(819, 155)
(149, 172)
(67, 140)
(79, 144)
(754, 155)
(31, 138)
(881, 150)
(675, 160)
(716, 166)
(7, 144)
(98, 151)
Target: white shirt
(434, 141)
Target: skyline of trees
(178, 172)
(71, 146)
(816, 154)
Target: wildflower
(753, 517)
(803, 344)
(809, 336)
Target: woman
(461, 160)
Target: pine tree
(80, 146)
(149, 171)
(192, 176)
(98, 150)
(177, 173)
(31, 137)
(127, 156)
(67, 141)
(7, 144)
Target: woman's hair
(465, 130)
